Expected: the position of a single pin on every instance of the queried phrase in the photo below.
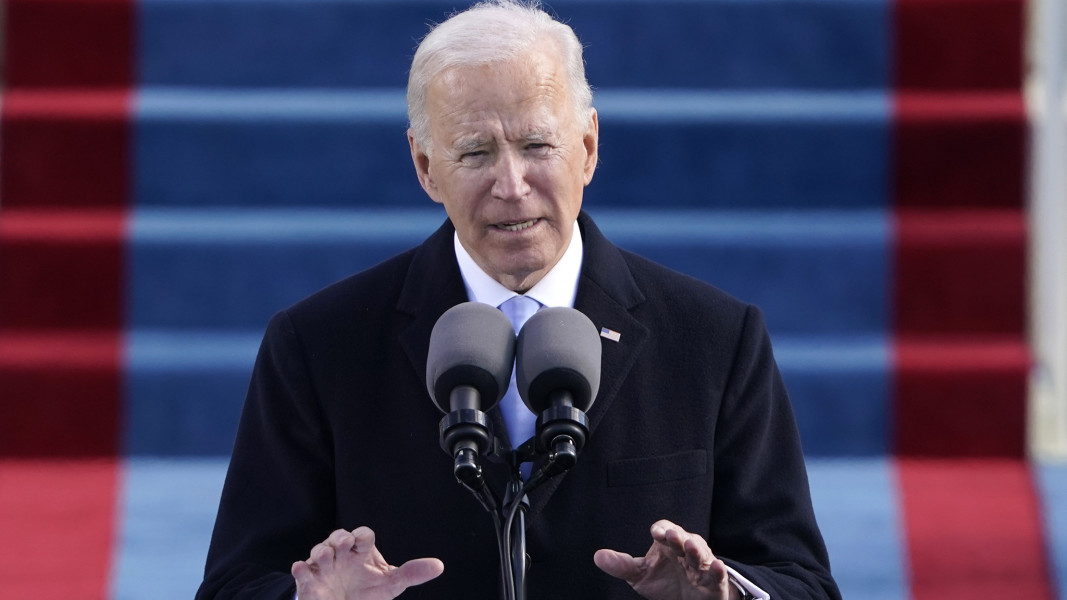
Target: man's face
(509, 162)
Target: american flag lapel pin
(610, 334)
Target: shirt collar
(557, 288)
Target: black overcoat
(692, 424)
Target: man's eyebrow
(538, 136)
(468, 144)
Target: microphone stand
(517, 504)
(564, 376)
(563, 441)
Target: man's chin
(520, 280)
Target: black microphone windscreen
(558, 349)
(471, 344)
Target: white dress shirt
(557, 288)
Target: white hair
(492, 31)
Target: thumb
(616, 564)
(417, 572)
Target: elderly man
(693, 458)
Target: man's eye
(538, 149)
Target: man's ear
(591, 141)
(421, 160)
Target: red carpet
(974, 530)
(972, 519)
(57, 520)
(65, 140)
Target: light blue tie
(519, 420)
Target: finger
(362, 540)
(301, 570)
(664, 525)
(418, 572)
(341, 541)
(671, 537)
(717, 576)
(363, 545)
(666, 532)
(697, 552)
(617, 564)
(660, 528)
(718, 571)
(690, 547)
(303, 573)
(322, 554)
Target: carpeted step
(42, 501)
(958, 44)
(233, 269)
(213, 272)
(69, 43)
(975, 529)
(60, 394)
(959, 314)
(169, 508)
(931, 529)
(61, 270)
(765, 149)
(68, 149)
(1052, 485)
(825, 44)
(184, 389)
(671, 149)
(959, 272)
(959, 149)
(960, 396)
(856, 504)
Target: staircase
(173, 172)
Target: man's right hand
(348, 566)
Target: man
(693, 452)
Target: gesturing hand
(678, 566)
(348, 565)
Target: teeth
(517, 226)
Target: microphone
(468, 368)
(557, 372)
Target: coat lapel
(607, 293)
(432, 285)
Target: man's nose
(510, 177)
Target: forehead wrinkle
(479, 132)
(538, 113)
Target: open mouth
(518, 225)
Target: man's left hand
(678, 566)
